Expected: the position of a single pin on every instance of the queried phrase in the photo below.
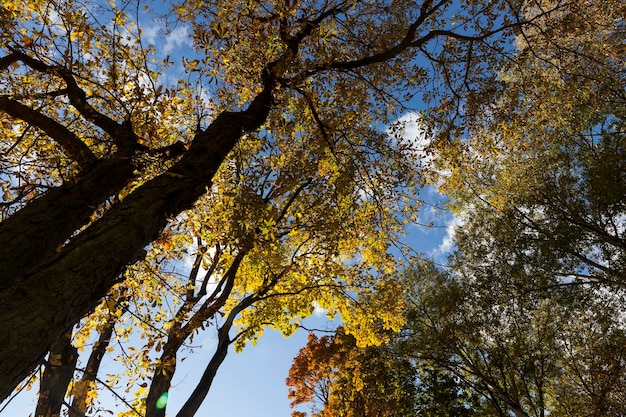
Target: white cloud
(318, 310)
(150, 33)
(448, 241)
(409, 134)
(175, 39)
(190, 257)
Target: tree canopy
(471, 349)
(526, 316)
(263, 168)
(265, 151)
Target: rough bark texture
(79, 274)
(63, 276)
(36, 232)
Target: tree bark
(81, 387)
(41, 306)
(162, 379)
(63, 279)
(56, 378)
(37, 231)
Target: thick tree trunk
(37, 231)
(41, 306)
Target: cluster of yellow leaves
(120, 74)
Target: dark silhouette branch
(71, 144)
(121, 133)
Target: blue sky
(251, 383)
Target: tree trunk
(162, 379)
(191, 406)
(36, 232)
(57, 377)
(41, 306)
(81, 388)
(177, 335)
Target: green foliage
(515, 351)
(469, 348)
(537, 179)
(526, 318)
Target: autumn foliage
(260, 166)
(336, 378)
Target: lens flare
(162, 401)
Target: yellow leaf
(75, 35)
(27, 41)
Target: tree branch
(209, 273)
(7, 60)
(82, 387)
(39, 230)
(57, 377)
(121, 133)
(73, 147)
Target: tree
(339, 379)
(260, 263)
(336, 377)
(470, 349)
(521, 353)
(545, 168)
(526, 317)
(100, 155)
(539, 191)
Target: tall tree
(262, 262)
(469, 349)
(539, 191)
(527, 314)
(522, 353)
(336, 378)
(99, 154)
(544, 171)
